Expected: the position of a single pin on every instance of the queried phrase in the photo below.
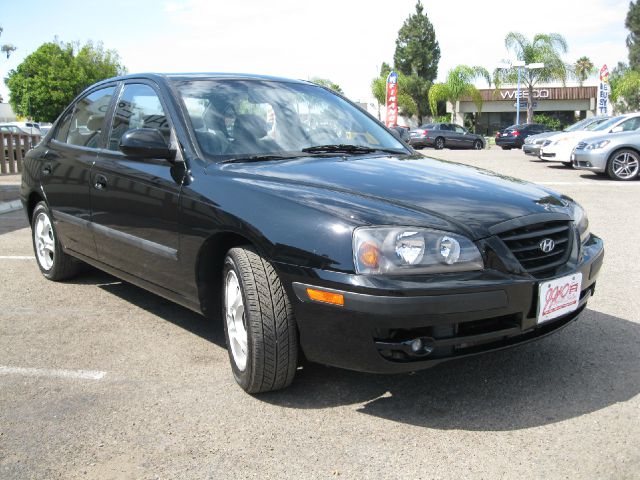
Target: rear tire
(259, 326)
(438, 143)
(53, 262)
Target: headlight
(581, 221)
(561, 139)
(409, 250)
(600, 144)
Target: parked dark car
(515, 135)
(338, 241)
(403, 133)
(441, 135)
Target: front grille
(549, 155)
(581, 146)
(525, 242)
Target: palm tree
(458, 84)
(583, 69)
(544, 48)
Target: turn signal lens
(325, 297)
(369, 255)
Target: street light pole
(519, 64)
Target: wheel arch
(32, 200)
(619, 149)
(209, 264)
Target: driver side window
(138, 107)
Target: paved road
(99, 379)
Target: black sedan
(515, 135)
(284, 211)
(441, 135)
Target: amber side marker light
(326, 297)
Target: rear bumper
(514, 142)
(454, 318)
(421, 141)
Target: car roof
(202, 76)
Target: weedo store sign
(603, 90)
(392, 99)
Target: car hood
(574, 137)
(618, 138)
(411, 190)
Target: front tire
(53, 262)
(477, 145)
(623, 165)
(259, 326)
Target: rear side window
(138, 107)
(86, 121)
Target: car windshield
(262, 119)
(585, 124)
(609, 123)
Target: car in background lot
(514, 136)
(403, 133)
(559, 147)
(616, 154)
(10, 128)
(441, 135)
(32, 128)
(533, 143)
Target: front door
(135, 202)
(66, 167)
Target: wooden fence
(15, 146)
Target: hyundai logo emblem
(547, 245)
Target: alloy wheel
(235, 317)
(44, 241)
(625, 165)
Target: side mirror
(145, 143)
(617, 129)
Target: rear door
(65, 170)
(136, 201)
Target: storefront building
(567, 104)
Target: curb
(6, 207)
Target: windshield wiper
(348, 148)
(259, 158)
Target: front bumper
(531, 149)
(594, 160)
(556, 153)
(457, 314)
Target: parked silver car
(617, 154)
(533, 143)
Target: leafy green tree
(48, 79)
(625, 88)
(544, 48)
(324, 82)
(7, 48)
(632, 22)
(459, 83)
(583, 69)
(417, 50)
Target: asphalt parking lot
(100, 379)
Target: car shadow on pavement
(590, 365)
(212, 331)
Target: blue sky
(340, 40)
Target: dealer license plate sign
(558, 297)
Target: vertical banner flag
(603, 90)
(392, 99)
